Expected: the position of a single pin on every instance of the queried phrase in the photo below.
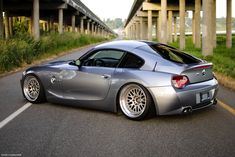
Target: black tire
(33, 89)
(135, 101)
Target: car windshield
(174, 55)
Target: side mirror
(78, 62)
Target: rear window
(131, 61)
(174, 55)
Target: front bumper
(169, 100)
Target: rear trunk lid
(199, 73)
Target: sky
(120, 8)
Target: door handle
(105, 76)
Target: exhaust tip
(215, 102)
(187, 110)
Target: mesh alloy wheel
(32, 89)
(134, 101)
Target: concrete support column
(156, 25)
(88, 26)
(150, 25)
(138, 30)
(10, 26)
(175, 29)
(182, 24)
(132, 31)
(60, 27)
(163, 37)
(207, 36)
(129, 32)
(197, 26)
(159, 26)
(51, 24)
(170, 14)
(36, 30)
(229, 24)
(94, 33)
(6, 19)
(141, 28)
(92, 28)
(145, 30)
(96, 30)
(73, 23)
(214, 23)
(82, 25)
(102, 32)
(135, 32)
(1, 20)
(193, 27)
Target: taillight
(179, 81)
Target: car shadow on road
(168, 118)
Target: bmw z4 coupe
(134, 76)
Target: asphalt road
(47, 129)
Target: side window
(131, 61)
(104, 58)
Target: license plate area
(204, 96)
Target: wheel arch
(32, 73)
(154, 105)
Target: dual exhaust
(188, 109)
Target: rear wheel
(33, 89)
(135, 101)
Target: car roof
(124, 44)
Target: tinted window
(107, 54)
(174, 55)
(131, 61)
(103, 58)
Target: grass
(223, 59)
(23, 49)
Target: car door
(93, 78)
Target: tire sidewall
(148, 102)
(41, 96)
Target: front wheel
(135, 101)
(33, 89)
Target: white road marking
(27, 105)
(13, 115)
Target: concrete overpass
(63, 15)
(164, 13)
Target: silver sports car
(134, 76)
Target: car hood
(60, 65)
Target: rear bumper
(169, 100)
